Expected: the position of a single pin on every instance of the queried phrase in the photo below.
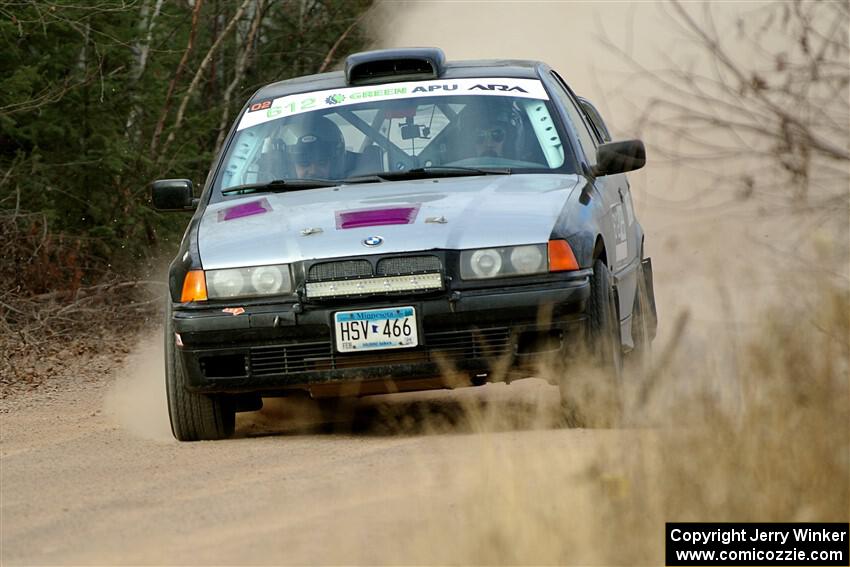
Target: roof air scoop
(415, 63)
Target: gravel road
(91, 475)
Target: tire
(194, 417)
(601, 402)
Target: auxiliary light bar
(343, 288)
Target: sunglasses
(496, 135)
(304, 160)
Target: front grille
(395, 266)
(409, 265)
(297, 357)
(339, 270)
(440, 345)
(475, 343)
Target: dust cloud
(136, 399)
(690, 224)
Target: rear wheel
(597, 401)
(194, 417)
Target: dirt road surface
(92, 476)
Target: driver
(493, 129)
(490, 139)
(316, 148)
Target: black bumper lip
(282, 383)
(215, 333)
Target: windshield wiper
(280, 185)
(428, 172)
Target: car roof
(464, 69)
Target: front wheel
(595, 397)
(194, 417)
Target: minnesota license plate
(375, 329)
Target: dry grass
(42, 335)
(744, 422)
(59, 302)
(754, 428)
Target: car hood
(427, 214)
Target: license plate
(375, 329)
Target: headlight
(502, 262)
(527, 259)
(267, 279)
(249, 282)
(485, 263)
(226, 283)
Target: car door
(619, 217)
(601, 133)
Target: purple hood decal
(245, 210)
(376, 217)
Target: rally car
(381, 228)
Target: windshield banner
(265, 111)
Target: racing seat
(370, 161)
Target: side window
(595, 120)
(585, 137)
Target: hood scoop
(376, 217)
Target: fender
(580, 223)
(188, 258)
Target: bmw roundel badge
(373, 241)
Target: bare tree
(196, 80)
(776, 122)
(245, 52)
(166, 107)
(141, 49)
(343, 36)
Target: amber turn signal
(561, 257)
(194, 287)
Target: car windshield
(428, 126)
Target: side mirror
(173, 195)
(619, 157)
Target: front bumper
(272, 349)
